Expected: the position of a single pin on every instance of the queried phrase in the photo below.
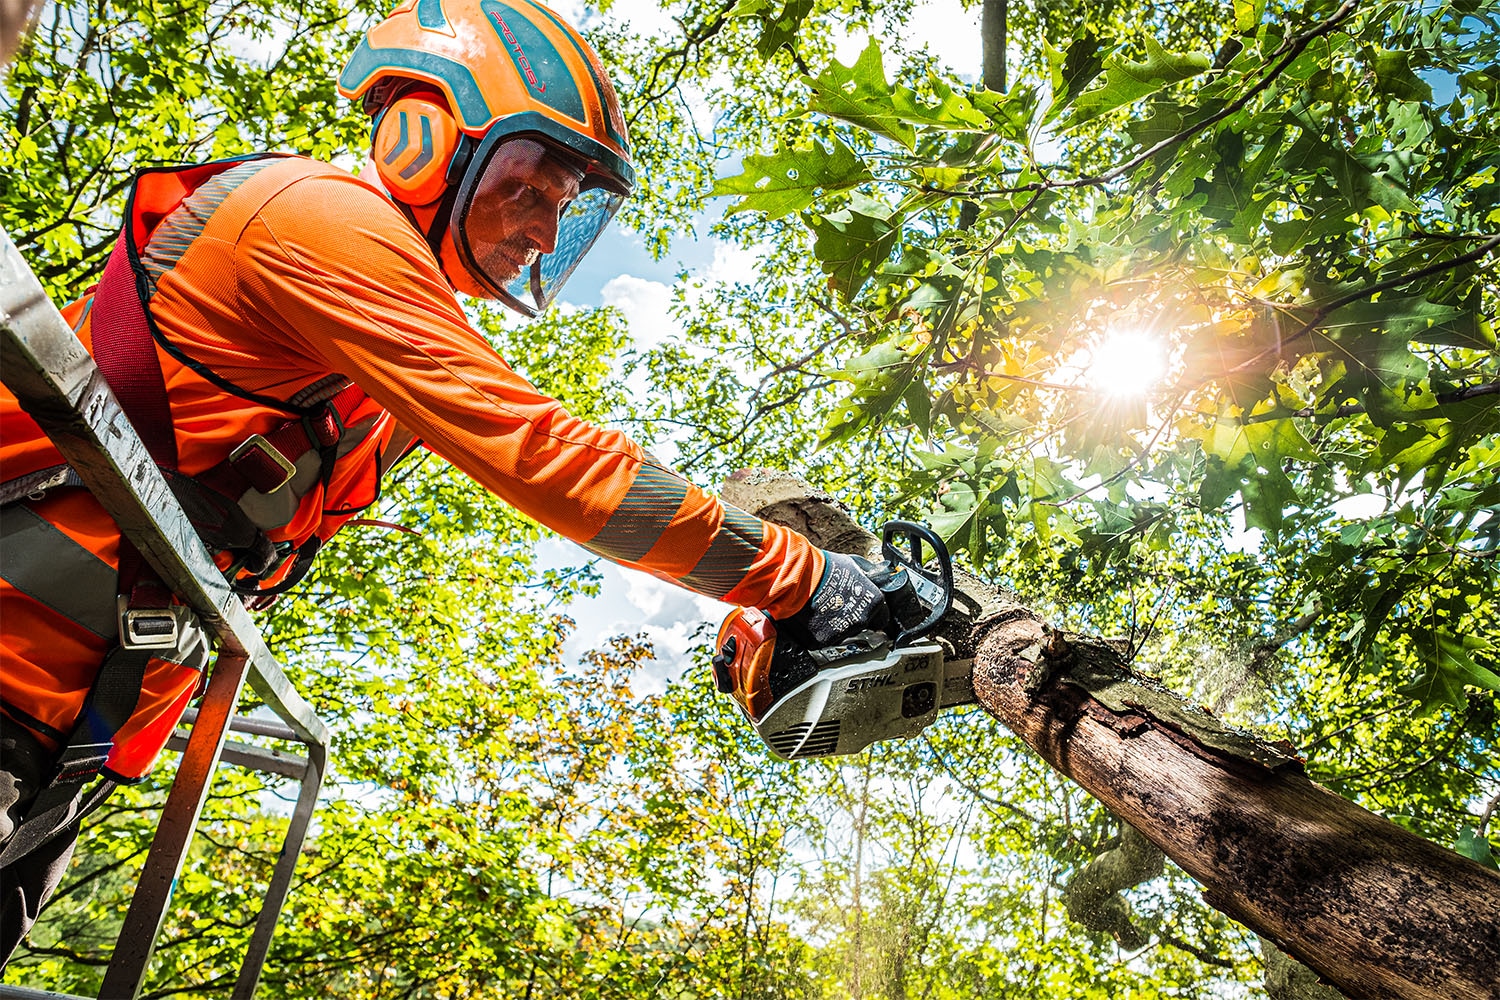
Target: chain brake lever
(935, 589)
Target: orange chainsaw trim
(747, 642)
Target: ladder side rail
(126, 975)
(281, 877)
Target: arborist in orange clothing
(281, 333)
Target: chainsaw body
(874, 686)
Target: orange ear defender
(416, 138)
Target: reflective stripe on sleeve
(730, 555)
(643, 516)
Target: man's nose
(543, 232)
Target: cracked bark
(1376, 911)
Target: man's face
(513, 215)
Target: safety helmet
(462, 91)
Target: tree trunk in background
(992, 27)
(1289, 979)
(1377, 911)
(992, 30)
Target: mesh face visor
(525, 214)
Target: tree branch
(1093, 897)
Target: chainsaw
(873, 686)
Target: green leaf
(1471, 845)
(1414, 318)
(1449, 670)
(749, 8)
(1394, 76)
(1126, 82)
(1381, 370)
(1248, 15)
(880, 376)
(789, 179)
(1072, 70)
(781, 30)
(1267, 442)
(851, 244)
(859, 94)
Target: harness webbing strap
(53, 811)
(49, 567)
(109, 705)
(126, 354)
(320, 430)
(35, 485)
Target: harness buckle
(146, 628)
(262, 464)
(81, 761)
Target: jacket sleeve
(332, 267)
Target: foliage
(1295, 223)
(1296, 524)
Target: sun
(1127, 362)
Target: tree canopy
(1186, 335)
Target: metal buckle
(81, 761)
(146, 628)
(258, 442)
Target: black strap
(35, 485)
(109, 705)
(222, 524)
(52, 813)
(110, 702)
(306, 553)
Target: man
(280, 333)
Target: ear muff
(415, 140)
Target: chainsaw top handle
(935, 589)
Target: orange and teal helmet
(463, 90)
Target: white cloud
(1360, 506)
(645, 17)
(943, 26)
(732, 264)
(634, 603)
(645, 304)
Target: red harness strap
(126, 354)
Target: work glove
(846, 614)
(845, 608)
(846, 604)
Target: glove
(847, 603)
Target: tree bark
(1378, 912)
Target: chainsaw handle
(935, 589)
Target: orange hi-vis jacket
(265, 279)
